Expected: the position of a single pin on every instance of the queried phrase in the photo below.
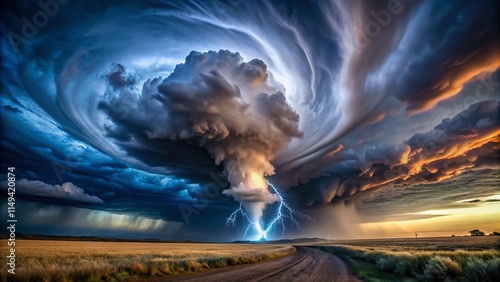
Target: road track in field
(306, 264)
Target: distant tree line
(477, 232)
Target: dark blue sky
(141, 119)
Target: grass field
(423, 259)
(118, 261)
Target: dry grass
(433, 259)
(119, 261)
(435, 243)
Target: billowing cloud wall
(218, 102)
(469, 140)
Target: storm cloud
(147, 105)
(67, 191)
(469, 140)
(220, 103)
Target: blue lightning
(284, 213)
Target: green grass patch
(372, 264)
(370, 273)
(364, 270)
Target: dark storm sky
(377, 97)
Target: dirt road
(306, 264)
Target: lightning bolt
(284, 213)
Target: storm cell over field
(161, 118)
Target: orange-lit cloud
(333, 152)
(441, 153)
(454, 81)
(470, 140)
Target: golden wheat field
(43, 260)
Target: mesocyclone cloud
(138, 102)
(220, 103)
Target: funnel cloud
(220, 103)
